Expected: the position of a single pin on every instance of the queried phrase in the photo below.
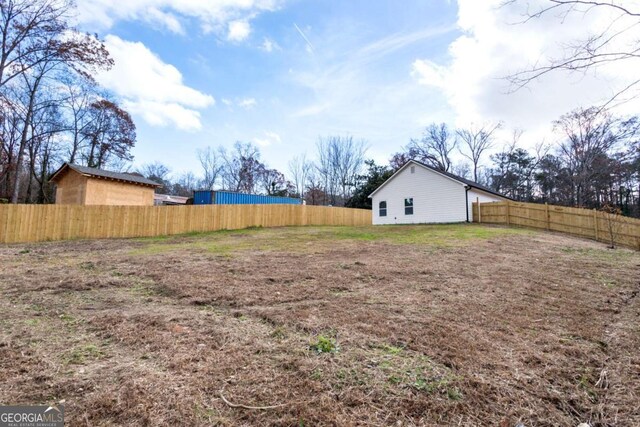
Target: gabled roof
(101, 173)
(463, 181)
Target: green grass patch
(382, 366)
(392, 350)
(80, 355)
(32, 322)
(604, 254)
(302, 239)
(87, 265)
(605, 280)
(156, 248)
(428, 234)
(68, 319)
(324, 344)
(448, 234)
(356, 233)
(144, 287)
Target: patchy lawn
(403, 325)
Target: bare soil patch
(421, 325)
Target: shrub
(324, 345)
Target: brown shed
(81, 185)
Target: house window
(383, 208)
(408, 206)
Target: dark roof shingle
(101, 173)
(468, 182)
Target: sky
(282, 73)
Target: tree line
(595, 161)
(329, 180)
(51, 108)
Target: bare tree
(340, 162)
(9, 140)
(184, 185)
(435, 146)
(42, 148)
(242, 167)
(462, 169)
(613, 221)
(37, 43)
(616, 43)
(120, 165)
(110, 133)
(212, 166)
(24, 104)
(36, 31)
(77, 96)
(326, 167)
(476, 140)
(299, 170)
(274, 183)
(590, 135)
(157, 172)
(314, 192)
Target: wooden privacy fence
(35, 223)
(588, 223)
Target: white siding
(484, 197)
(436, 198)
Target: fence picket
(576, 221)
(35, 223)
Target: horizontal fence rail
(36, 223)
(588, 223)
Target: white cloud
(269, 45)
(269, 138)
(152, 88)
(238, 31)
(168, 20)
(494, 44)
(213, 15)
(429, 73)
(247, 103)
(244, 103)
(163, 114)
(312, 110)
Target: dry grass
(425, 325)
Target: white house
(418, 193)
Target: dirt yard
(427, 325)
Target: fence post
(546, 209)
(479, 214)
(508, 214)
(595, 222)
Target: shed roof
(105, 174)
(463, 181)
(169, 199)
